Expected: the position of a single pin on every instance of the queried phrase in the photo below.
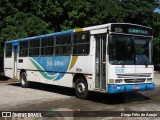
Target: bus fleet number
(78, 69)
(119, 70)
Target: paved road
(12, 96)
(157, 79)
(52, 98)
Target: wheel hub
(81, 88)
(23, 81)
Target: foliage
(22, 25)
(26, 18)
(139, 11)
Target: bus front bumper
(114, 88)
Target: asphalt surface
(42, 97)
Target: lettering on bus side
(78, 69)
(49, 62)
(58, 63)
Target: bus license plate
(135, 87)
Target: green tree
(62, 15)
(49, 11)
(25, 18)
(139, 11)
(6, 9)
(82, 13)
(156, 41)
(22, 25)
(142, 12)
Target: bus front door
(100, 62)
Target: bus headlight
(118, 81)
(149, 79)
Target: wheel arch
(21, 71)
(78, 75)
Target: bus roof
(72, 31)
(42, 36)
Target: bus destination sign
(131, 29)
(137, 31)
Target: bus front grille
(133, 75)
(139, 80)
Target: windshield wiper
(145, 62)
(121, 62)
(141, 58)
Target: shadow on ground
(3, 78)
(97, 97)
(117, 98)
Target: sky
(157, 10)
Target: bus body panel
(120, 70)
(130, 72)
(51, 70)
(8, 63)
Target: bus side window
(47, 46)
(34, 46)
(23, 49)
(81, 43)
(63, 45)
(8, 50)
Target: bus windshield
(129, 50)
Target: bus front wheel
(81, 88)
(23, 80)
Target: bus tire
(23, 80)
(81, 88)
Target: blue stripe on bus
(113, 88)
(42, 36)
(56, 63)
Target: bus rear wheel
(81, 88)
(23, 80)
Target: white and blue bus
(110, 58)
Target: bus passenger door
(100, 61)
(15, 50)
